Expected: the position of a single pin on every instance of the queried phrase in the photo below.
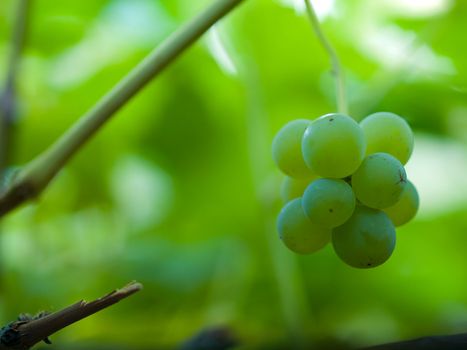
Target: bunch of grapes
(346, 183)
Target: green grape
(406, 208)
(387, 132)
(297, 232)
(328, 202)
(379, 181)
(366, 240)
(333, 146)
(293, 188)
(286, 149)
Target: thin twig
(335, 62)
(36, 175)
(25, 334)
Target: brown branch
(24, 334)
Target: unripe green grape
(387, 132)
(366, 240)
(406, 208)
(297, 232)
(328, 202)
(293, 188)
(333, 146)
(379, 181)
(286, 149)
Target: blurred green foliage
(179, 190)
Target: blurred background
(179, 190)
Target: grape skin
(406, 208)
(389, 133)
(286, 149)
(379, 181)
(297, 232)
(333, 146)
(328, 202)
(318, 210)
(293, 188)
(366, 240)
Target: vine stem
(8, 98)
(337, 71)
(36, 175)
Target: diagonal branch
(22, 335)
(437, 342)
(36, 175)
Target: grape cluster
(346, 183)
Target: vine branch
(335, 62)
(36, 175)
(24, 334)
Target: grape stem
(34, 177)
(335, 62)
